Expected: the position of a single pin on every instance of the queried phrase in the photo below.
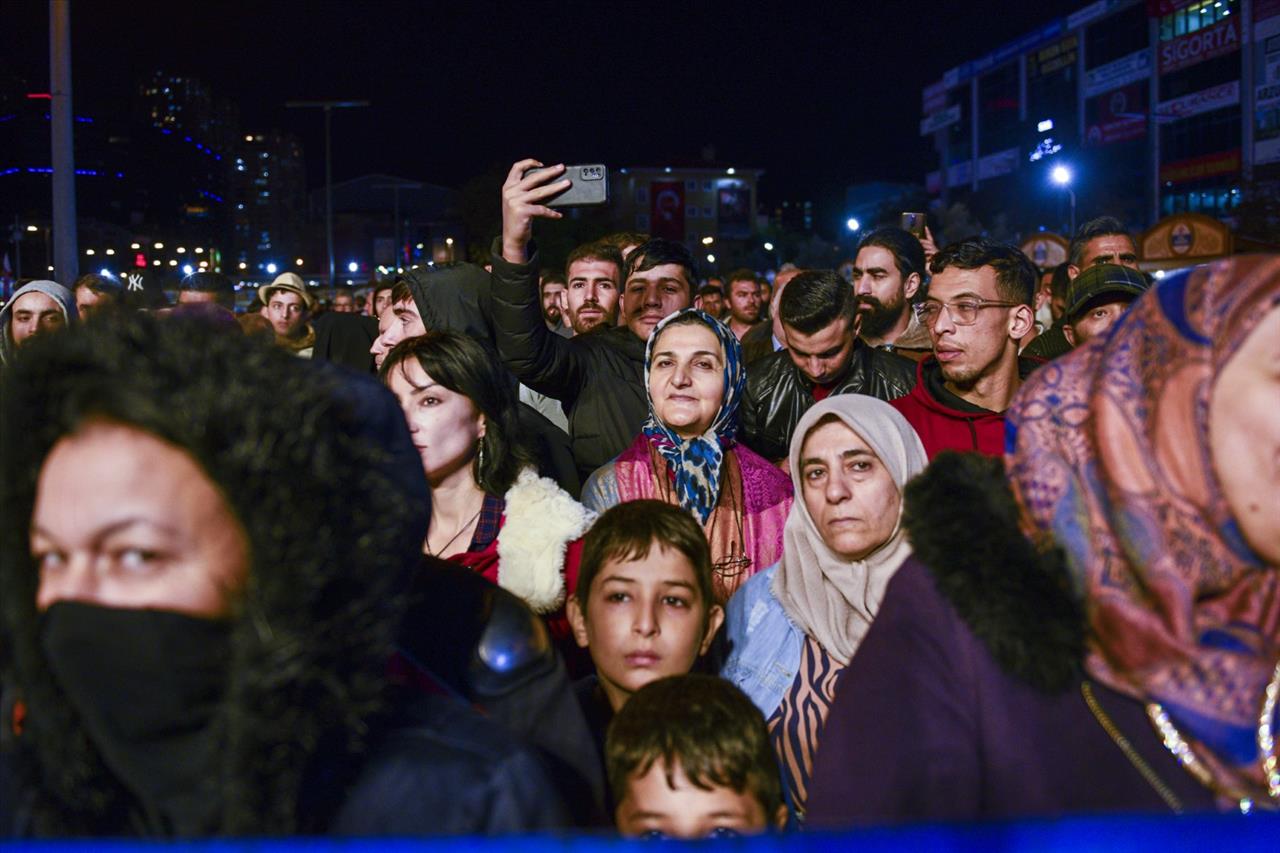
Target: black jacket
(456, 298)
(778, 394)
(599, 376)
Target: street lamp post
(328, 107)
(1061, 176)
(395, 189)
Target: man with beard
(819, 315)
(551, 289)
(744, 302)
(767, 338)
(594, 273)
(977, 312)
(886, 275)
(599, 378)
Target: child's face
(645, 621)
(651, 807)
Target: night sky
(820, 95)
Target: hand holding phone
(589, 185)
(914, 222)
(523, 197)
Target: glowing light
(32, 228)
(707, 241)
(768, 247)
(448, 241)
(181, 249)
(158, 246)
(1158, 273)
(419, 246)
(1060, 175)
(852, 224)
(155, 263)
(1045, 126)
(730, 171)
(353, 267)
(199, 250)
(135, 246)
(187, 269)
(110, 251)
(271, 269)
(711, 259)
(243, 265)
(298, 261)
(173, 263)
(104, 271)
(88, 251)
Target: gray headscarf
(830, 598)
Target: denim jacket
(764, 652)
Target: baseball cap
(1101, 280)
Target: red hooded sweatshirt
(941, 425)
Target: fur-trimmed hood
(962, 520)
(318, 466)
(541, 520)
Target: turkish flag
(666, 218)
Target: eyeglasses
(963, 312)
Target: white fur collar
(541, 520)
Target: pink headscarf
(1108, 453)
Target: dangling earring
(480, 462)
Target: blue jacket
(764, 644)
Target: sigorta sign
(1197, 47)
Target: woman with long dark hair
(490, 509)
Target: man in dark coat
(599, 376)
(824, 356)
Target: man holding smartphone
(597, 376)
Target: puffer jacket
(598, 377)
(778, 394)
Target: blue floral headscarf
(696, 462)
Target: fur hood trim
(541, 520)
(962, 520)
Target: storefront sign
(1125, 70)
(1046, 249)
(1195, 168)
(1117, 116)
(1186, 235)
(1188, 50)
(1206, 100)
(939, 120)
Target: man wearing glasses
(977, 311)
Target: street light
(768, 247)
(707, 241)
(1061, 176)
(328, 107)
(852, 224)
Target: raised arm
(541, 359)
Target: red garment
(485, 563)
(822, 392)
(943, 428)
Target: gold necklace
(1185, 753)
(1153, 779)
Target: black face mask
(146, 685)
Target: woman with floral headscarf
(1093, 625)
(686, 453)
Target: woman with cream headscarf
(794, 627)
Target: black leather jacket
(778, 394)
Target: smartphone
(590, 186)
(913, 222)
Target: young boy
(643, 606)
(689, 757)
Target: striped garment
(796, 726)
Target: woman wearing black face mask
(203, 544)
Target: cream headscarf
(828, 597)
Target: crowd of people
(931, 535)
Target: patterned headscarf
(695, 462)
(1108, 454)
